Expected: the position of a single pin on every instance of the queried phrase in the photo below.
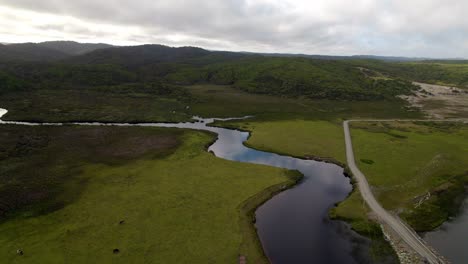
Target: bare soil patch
(439, 101)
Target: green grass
(410, 160)
(175, 207)
(302, 138)
(319, 139)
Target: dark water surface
(451, 238)
(294, 226)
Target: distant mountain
(72, 47)
(298, 55)
(355, 57)
(46, 51)
(388, 58)
(152, 53)
(29, 52)
(140, 55)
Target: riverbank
(445, 191)
(251, 246)
(417, 169)
(449, 239)
(352, 210)
(138, 208)
(399, 136)
(229, 140)
(297, 199)
(304, 139)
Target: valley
(178, 203)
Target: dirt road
(406, 233)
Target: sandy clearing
(439, 101)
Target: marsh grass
(425, 157)
(170, 204)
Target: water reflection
(294, 226)
(450, 239)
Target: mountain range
(60, 50)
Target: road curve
(405, 233)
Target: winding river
(293, 226)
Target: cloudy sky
(427, 28)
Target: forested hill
(72, 47)
(140, 55)
(33, 66)
(46, 51)
(29, 52)
(446, 72)
(299, 77)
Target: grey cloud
(433, 28)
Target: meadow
(416, 169)
(301, 138)
(127, 195)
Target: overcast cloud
(426, 28)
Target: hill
(450, 73)
(46, 51)
(146, 64)
(287, 76)
(352, 57)
(29, 52)
(139, 55)
(72, 47)
(295, 77)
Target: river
(293, 226)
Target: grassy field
(318, 139)
(403, 162)
(145, 195)
(302, 138)
(419, 168)
(227, 101)
(297, 127)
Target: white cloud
(433, 28)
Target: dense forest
(454, 73)
(162, 70)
